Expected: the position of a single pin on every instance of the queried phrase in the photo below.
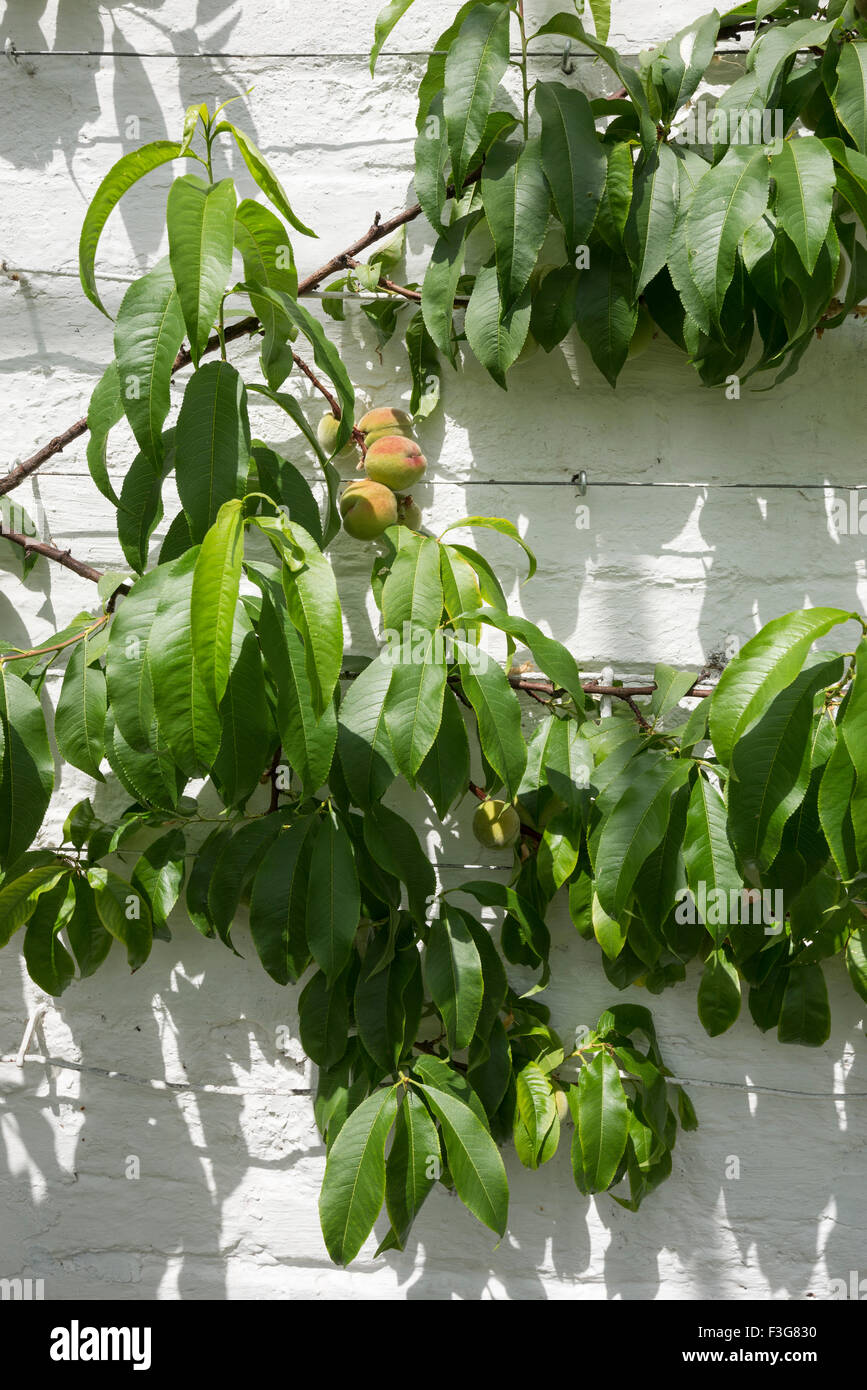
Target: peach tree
(256, 759)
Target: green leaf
(505, 528)
(536, 1126)
(805, 179)
(151, 777)
(445, 772)
(601, 12)
(148, 332)
(474, 67)
(314, 608)
(805, 1016)
(278, 903)
(856, 961)
(633, 830)
(571, 27)
(140, 507)
(19, 896)
(124, 913)
(127, 171)
(353, 1188)
(850, 93)
(216, 582)
(440, 285)
(288, 487)
(573, 159)
(394, 845)
(212, 444)
(363, 742)
(439, 1074)
(268, 260)
(605, 310)
(550, 656)
(264, 176)
(603, 1122)
(48, 962)
(128, 658)
(474, 1160)
(308, 743)
(333, 903)
(200, 218)
(103, 413)
(87, 936)
(719, 994)
(730, 197)
(779, 43)
(534, 932)
(424, 364)
(185, 708)
(613, 210)
(771, 766)
(385, 22)
(707, 851)
(413, 591)
(235, 862)
(496, 337)
(378, 1003)
(681, 63)
(652, 214)
(431, 161)
(453, 977)
(765, 665)
(79, 721)
(159, 874)
(414, 703)
(26, 766)
(498, 715)
(516, 199)
(323, 1019)
(413, 1158)
(835, 811)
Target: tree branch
(52, 552)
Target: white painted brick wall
(226, 1202)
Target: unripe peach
(643, 334)
(383, 421)
(396, 462)
(367, 509)
(562, 1103)
(496, 825)
(408, 513)
(326, 433)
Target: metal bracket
(580, 481)
(567, 65)
(11, 52)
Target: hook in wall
(567, 65)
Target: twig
(57, 647)
(52, 552)
(460, 301)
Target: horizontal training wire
(365, 56)
(208, 1088)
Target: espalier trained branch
(733, 834)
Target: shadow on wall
(224, 1203)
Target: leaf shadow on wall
(178, 1188)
